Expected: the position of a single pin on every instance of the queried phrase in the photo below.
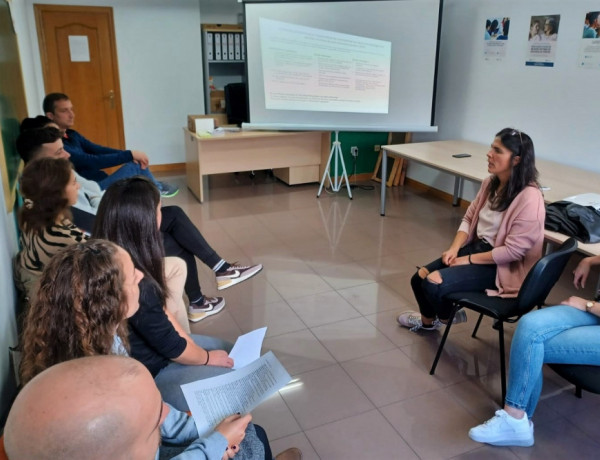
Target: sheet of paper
(586, 199)
(79, 48)
(211, 400)
(247, 348)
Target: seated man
(89, 159)
(108, 407)
(181, 238)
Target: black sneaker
(209, 306)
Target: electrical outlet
(354, 151)
(377, 148)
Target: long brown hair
(42, 186)
(79, 307)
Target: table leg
(383, 180)
(457, 184)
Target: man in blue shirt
(89, 159)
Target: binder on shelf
(209, 46)
(237, 53)
(230, 46)
(217, 46)
(242, 48)
(224, 51)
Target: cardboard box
(217, 101)
(220, 120)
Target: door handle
(111, 98)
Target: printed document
(211, 400)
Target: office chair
(536, 287)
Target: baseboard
(435, 192)
(169, 167)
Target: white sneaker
(412, 320)
(504, 430)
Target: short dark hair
(592, 16)
(51, 99)
(127, 217)
(29, 142)
(41, 121)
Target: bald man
(106, 407)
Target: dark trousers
(476, 277)
(181, 238)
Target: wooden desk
(295, 157)
(563, 181)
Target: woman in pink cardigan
(498, 241)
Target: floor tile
(319, 400)
(351, 339)
(298, 440)
(299, 351)
(434, 425)
(277, 316)
(363, 436)
(373, 298)
(324, 308)
(389, 377)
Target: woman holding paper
(129, 215)
(86, 293)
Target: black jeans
(182, 239)
(476, 277)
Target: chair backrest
(543, 276)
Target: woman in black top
(129, 215)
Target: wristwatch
(589, 305)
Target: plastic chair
(536, 287)
(584, 377)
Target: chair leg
(477, 325)
(502, 360)
(444, 337)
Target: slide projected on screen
(305, 68)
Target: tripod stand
(337, 183)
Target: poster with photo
(589, 51)
(543, 35)
(495, 38)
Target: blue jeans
(127, 170)
(561, 335)
(171, 377)
(430, 296)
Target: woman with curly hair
(49, 188)
(85, 294)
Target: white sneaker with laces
(504, 430)
(236, 274)
(412, 320)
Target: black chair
(536, 287)
(584, 377)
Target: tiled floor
(336, 275)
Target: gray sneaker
(208, 307)
(412, 320)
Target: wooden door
(79, 58)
